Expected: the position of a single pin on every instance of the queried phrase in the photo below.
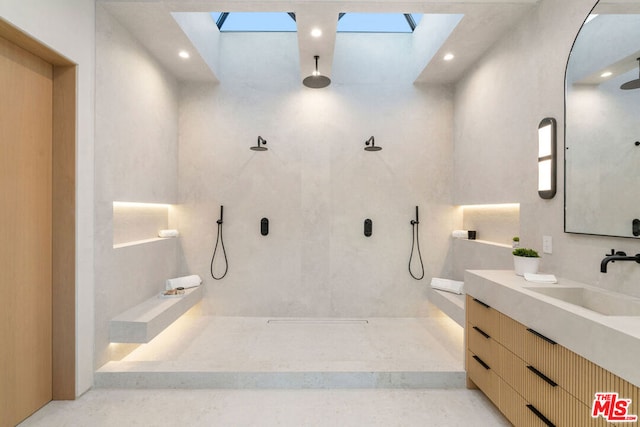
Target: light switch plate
(547, 244)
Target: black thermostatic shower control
(264, 226)
(368, 227)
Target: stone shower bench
(450, 304)
(141, 323)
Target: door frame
(63, 211)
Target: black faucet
(617, 256)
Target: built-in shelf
(140, 242)
(487, 242)
(492, 222)
(138, 223)
(141, 323)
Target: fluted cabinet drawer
(514, 407)
(484, 346)
(483, 376)
(532, 347)
(584, 379)
(554, 403)
(534, 385)
(484, 317)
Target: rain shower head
(373, 145)
(633, 84)
(316, 80)
(260, 147)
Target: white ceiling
(152, 23)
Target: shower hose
(415, 244)
(220, 241)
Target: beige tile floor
(334, 408)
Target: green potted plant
(525, 260)
(516, 242)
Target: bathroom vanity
(541, 352)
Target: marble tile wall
(136, 150)
(316, 184)
(498, 107)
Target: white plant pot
(522, 264)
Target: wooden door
(25, 232)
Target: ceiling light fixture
(184, 54)
(316, 80)
(316, 32)
(449, 57)
(606, 74)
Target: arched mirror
(602, 123)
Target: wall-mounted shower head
(260, 147)
(371, 147)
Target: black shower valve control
(264, 226)
(368, 227)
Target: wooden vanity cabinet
(529, 377)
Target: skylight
(286, 22)
(255, 21)
(378, 22)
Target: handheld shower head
(373, 145)
(260, 147)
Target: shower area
(313, 287)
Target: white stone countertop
(612, 342)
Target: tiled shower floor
(385, 372)
(255, 352)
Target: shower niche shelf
(488, 242)
(141, 323)
(138, 223)
(139, 242)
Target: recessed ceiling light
(448, 57)
(606, 74)
(316, 32)
(184, 54)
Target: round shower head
(260, 147)
(316, 82)
(633, 84)
(370, 145)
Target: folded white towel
(447, 285)
(184, 282)
(168, 233)
(540, 278)
(460, 234)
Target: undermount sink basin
(603, 302)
